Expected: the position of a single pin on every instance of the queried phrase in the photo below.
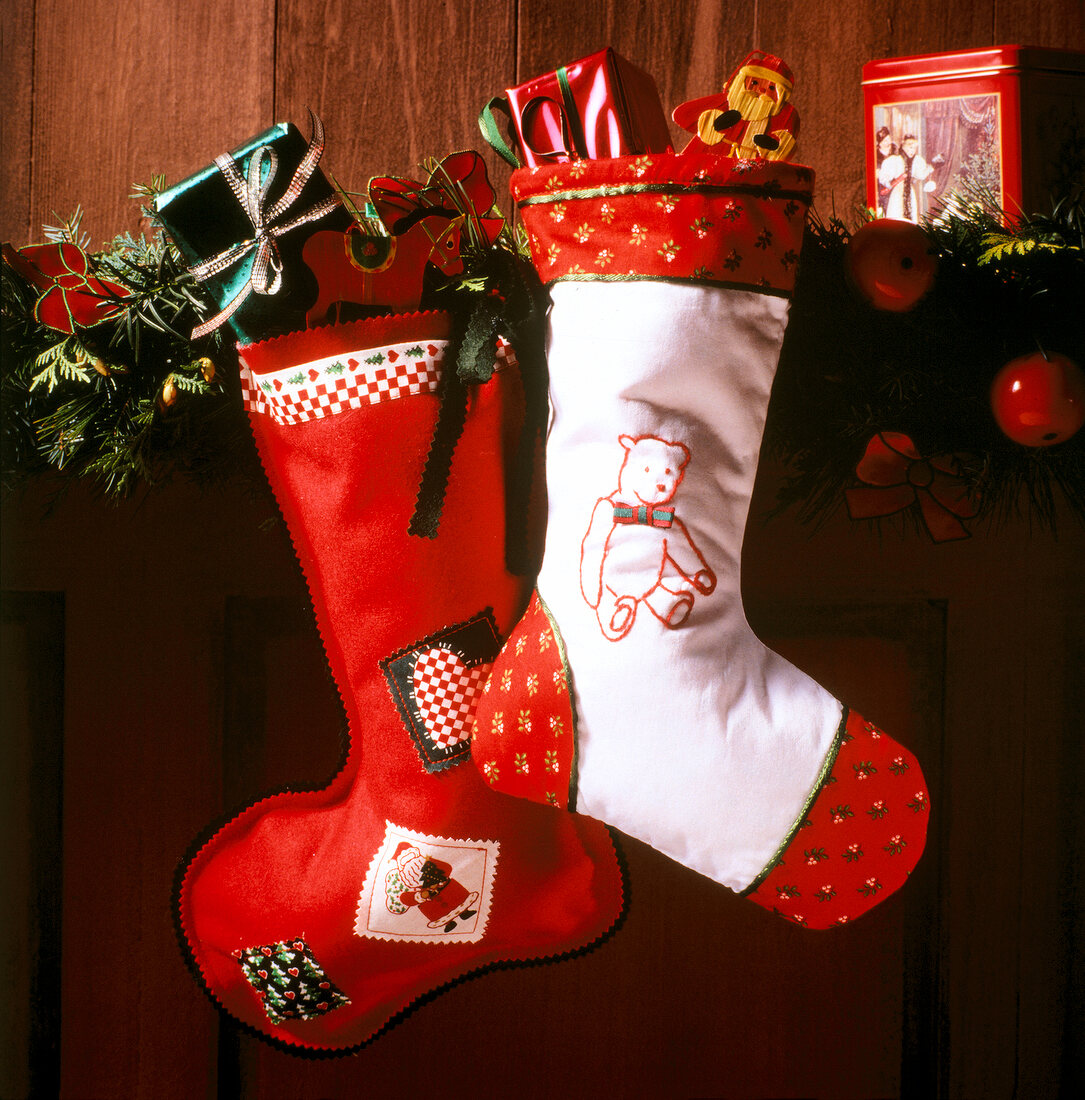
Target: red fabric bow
(457, 186)
(900, 476)
(69, 296)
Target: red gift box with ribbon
(601, 106)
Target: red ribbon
(899, 476)
(457, 186)
(70, 296)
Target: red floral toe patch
(861, 838)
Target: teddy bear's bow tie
(648, 515)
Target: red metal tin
(998, 121)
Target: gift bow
(899, 476)
(266, 276)
(458, 189)
(69, 296)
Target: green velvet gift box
(244, 239)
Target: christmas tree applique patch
(427, 888)
(290, 983)
(436, 682)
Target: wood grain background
(142, 642)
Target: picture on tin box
(928, 151)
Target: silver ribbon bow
(266, 276)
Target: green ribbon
(490, 131)
(571, 128)
(571, 115)
(520, 316)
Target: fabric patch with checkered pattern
(324, 387)
(445, 690)
(436, 684)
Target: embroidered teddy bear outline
(636, 550)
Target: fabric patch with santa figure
(427, 888)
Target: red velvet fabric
(292, 867)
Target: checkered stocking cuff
(335, 383)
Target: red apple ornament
(892, 263)
(1039, 400)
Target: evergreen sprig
(133, 400)
(848, 371)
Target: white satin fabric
(697, 739)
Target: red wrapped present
(601, 106)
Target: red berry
(892, 263)
(1039, 401)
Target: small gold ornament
(207, 369)
(169, 393)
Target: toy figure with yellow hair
(751, 119)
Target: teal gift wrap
(241, 223)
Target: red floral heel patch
(524, 740)
(861, 838)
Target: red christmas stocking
(634, 690)
(317, 916)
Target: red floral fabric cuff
(703, 218)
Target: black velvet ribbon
(517, 312)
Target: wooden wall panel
(1008, 925)
(145, 585)
(395, 83)
(1058, 24)
(31, 805)
(692, 48)
(284, 724)
(689, 49)
(126, 90)
(16, 118)
(1052, 652)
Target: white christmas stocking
(634, 689)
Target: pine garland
(849, 371)
(127, 402)
(133, 401)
